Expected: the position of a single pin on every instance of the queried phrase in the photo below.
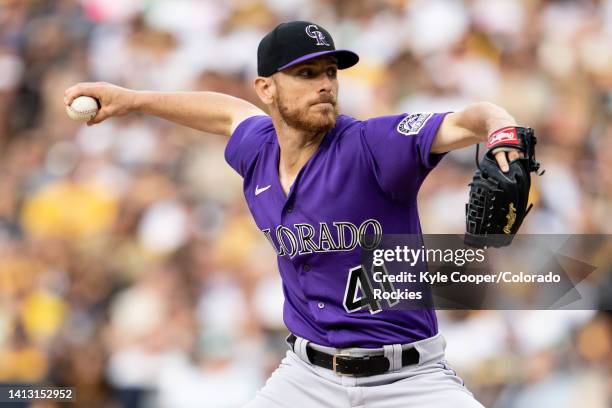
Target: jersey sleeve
(243, 146)
(399, 148)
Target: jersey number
(360, 293)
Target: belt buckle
(335, 362)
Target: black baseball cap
(295, 42)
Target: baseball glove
(498, 201)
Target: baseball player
(315, 181)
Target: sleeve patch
(412, 124)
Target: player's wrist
(508, 138)
(499, 120)
(506, 135)
(137, 100)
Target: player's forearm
(206, 111)
(495, 118)
(483, 118)
(470, 126)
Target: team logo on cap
(313, 32)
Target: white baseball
(82, 108)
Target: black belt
(356, 366)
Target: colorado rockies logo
(313, 32)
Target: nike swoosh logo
(258, 190)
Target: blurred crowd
(129, 265)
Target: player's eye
(332, 72)
(306, 73)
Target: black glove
(498, 201)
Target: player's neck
(296, 148)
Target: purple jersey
(363, 179)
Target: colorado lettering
(303, 238)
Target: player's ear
(266, 89)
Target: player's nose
(326, 84)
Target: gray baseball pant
(431, 383)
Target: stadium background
(129, 265)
